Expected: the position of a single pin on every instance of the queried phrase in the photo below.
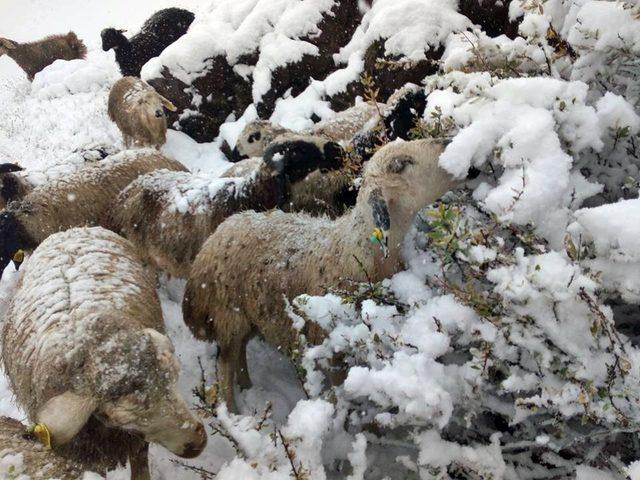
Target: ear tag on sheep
(41, 432)
(18, 258)
(378, 237)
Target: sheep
(86, 356)
(81, 198)
(256, 136)
(27, 457)
(16, 182)
(322, 193)
(254, 139)
(35, 56)
(168, 215)
(137, 110)
(253, 262)
(159, 31)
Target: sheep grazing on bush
(35, 56)
(258, 134)
(159, 31)
(138, 111)
(239, 281)
(15, 182)
(82, 198)
(27, 458)
(84, 349)
(169, 215)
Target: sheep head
(6, 45)
(400, 179)
(298, 155)
(13, 240)
(113, 38)
(132, 386)
(254, 138)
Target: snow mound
(62, 77)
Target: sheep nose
(159, 113)
(236, 156)
(193, 449)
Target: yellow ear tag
(18, 257)
(42, 433)
(376, 236)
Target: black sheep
(159, 31)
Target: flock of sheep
(83, 342)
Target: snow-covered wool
(159, 31)
(240, 280)
(84, 197)
(84, 348)
(322, 193)
(21, 456)
(168, 215)
(138, 111)
(33, 57)
(15, 182)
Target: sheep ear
(167, 104)
(65, 415)
(8, 44)
(379, 210)
(10, 167)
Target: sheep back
(79, 293)
(252, 263)
(322, 193)
(169, 215)
(85, 197)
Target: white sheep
(239, 281)
(84, 197)
(138, 111)
(168, 215)
(84, 349)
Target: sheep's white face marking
(255, 137)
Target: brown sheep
(84, 348)
(29, 457)
(138, 111)
(82, 198)
(169, 215)
(35, 56)
(15, 182)
(240, 281)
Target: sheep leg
(244, 380)
(229, 364)
(139, 461)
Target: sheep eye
(398, 164)
(254, 137)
